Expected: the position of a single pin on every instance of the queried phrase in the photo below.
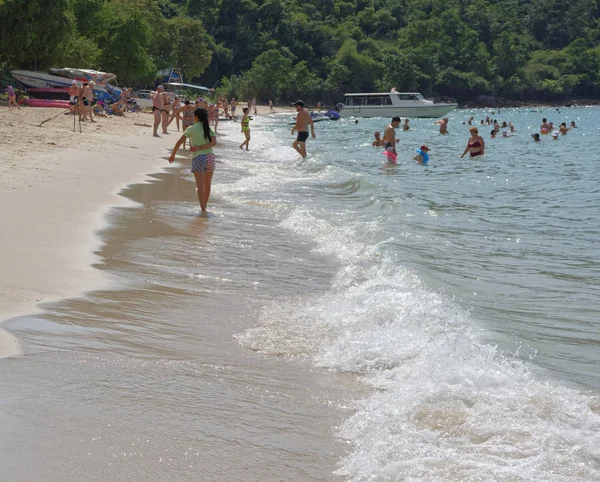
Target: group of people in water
(202, 138)
(475, 144)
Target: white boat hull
(432, 111)
(40, 80)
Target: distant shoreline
(493, 102)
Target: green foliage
(33, 32)
(284, 49)
(189, 47)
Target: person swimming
(378, 142)
(422, 156)
(536, 137)
(545, 127)
(563, 129)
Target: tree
(33, 32)
(126, 47)
(190, 53)
(270, 74)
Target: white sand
(56, 187)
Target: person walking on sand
(12, 97)
(187, 116)
(246, 128)
(254, 106)
(157, 108)
(303, 120)
(271, 109)
(475, 145)
(87, 97)
(164, 113)
(233, 105)
(202, 141)
(176, 112)
(74, 96)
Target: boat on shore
(62, 78)
(61, 93)
(391, 104)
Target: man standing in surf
(303, 120)
(389, 137)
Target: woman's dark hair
(202, 116)
(245, 109)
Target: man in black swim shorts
(303, 120)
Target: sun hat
(425, 148)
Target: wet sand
(56, 186)
(135, 371)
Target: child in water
(536, 137)
(422, 156)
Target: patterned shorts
(203, 163)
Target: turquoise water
(467, 294)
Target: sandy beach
(56, 184)
(55, 187)
(129, 308)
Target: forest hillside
(319, 49)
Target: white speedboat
(58, 78)
(391, 104)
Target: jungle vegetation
(319, 49)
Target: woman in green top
(202, 141)
(245, 128)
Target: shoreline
(53, 216)
(158, 344)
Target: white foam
(445, 405)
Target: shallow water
(454, 307)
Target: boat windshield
(372, 99)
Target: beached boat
(390, 104)
(61, 78)
(61, 93)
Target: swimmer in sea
(378, 142)
(443, 125)
(422, 156)
(573, 126)
(545, 128)
(475, 145)
(536, 137)
(405, 126)
(493, 134)
(563, 129)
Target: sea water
(440, 322)
(467, 297)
